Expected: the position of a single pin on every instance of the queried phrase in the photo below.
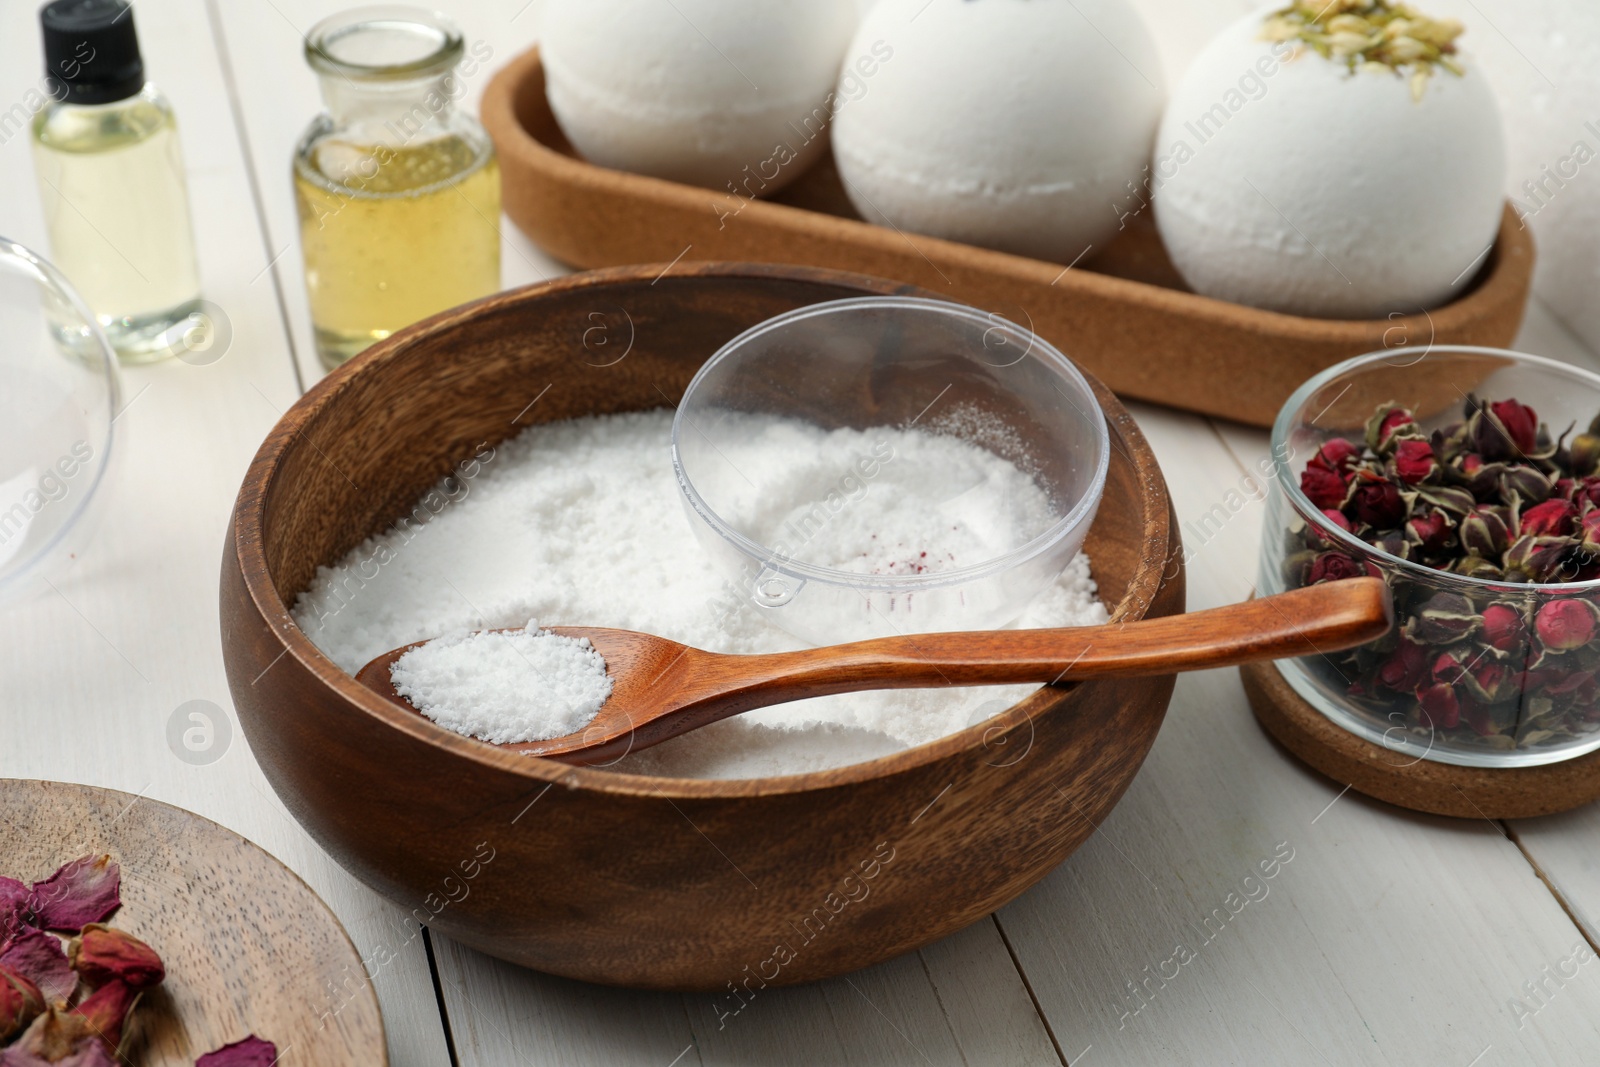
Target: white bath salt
(505, 687)
(581, 523)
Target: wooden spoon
(661, 689)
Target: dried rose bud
(1589, 531)
(1389, 422)
(1337, 455)
(1583, 453)
(1394, 543)
(251, 1052)
(1378, 504)
(1458, 502)
(83, 891)
(1563, 625)
(1578, 687)
(106, 1012)
(1486, 532)
(101, 954)
(1526, 484)
(1443, 619)
(1553, 518)
(1405, 667)
(1323, 488)
(1488, 681)
(1520, 424)
(1333, 567)
(1564, 489)
(1414, 462)
(1503, 628)
(20, 1002)
(1446, 669)
(1439, 707)
(1478, 567)
(1429, 532)
(1540, 559)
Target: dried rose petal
(20, 1002)
(1333, 567)
(106, 1012)
(57, 1039)
(1378, 504)
(1503, 628)
(1553, 518)
(13, 907)
(1337, 455)
(250, 1052)
(1563, 625)
(37, 956)
(1323, 488)
(1414, 461)
(81, 892)
(1439, 707)
(101, 954)
(1520, 423)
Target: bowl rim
(1160, 563)
(1060, 527)
(1286, 422)
(22, 576)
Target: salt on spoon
(505, 686)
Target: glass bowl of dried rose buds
(1468, 479)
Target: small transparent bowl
(58, 406)
(888, 364)
(1511, 702)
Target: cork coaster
(1401, 779)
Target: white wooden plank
(94, 673)
(957, 1002)
(1387, 938)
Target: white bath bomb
(1285, 181)
(696, 91)
(1021, 125)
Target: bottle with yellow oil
(398, 193)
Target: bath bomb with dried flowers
(735, 95)
(1020, 125)
(1332, 158)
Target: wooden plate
(248, 947)
(1123, 315)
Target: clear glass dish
(884, 364)
(58, 408)
(1480, 672)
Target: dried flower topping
(1381, 37)
(101, 954)
(1494, 497)
(20, 1003)
(83, 891)
(38, 957)
(251, 1052)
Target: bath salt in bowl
(889, 465)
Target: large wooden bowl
(1123, 313)
(624, 879)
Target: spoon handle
(1317, 619)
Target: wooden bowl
(1125, 315)
(248, 947)
(617, 878)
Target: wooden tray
(247, 945)
(1124, 315)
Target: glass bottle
(110, 172)
(398, 193)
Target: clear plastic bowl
(887, 364)
(1515, 701)
(58, 406)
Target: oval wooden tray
(1124, 314)
(249, 948)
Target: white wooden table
(1387, 938)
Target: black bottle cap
(91, 54)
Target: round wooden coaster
(1402, 779)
